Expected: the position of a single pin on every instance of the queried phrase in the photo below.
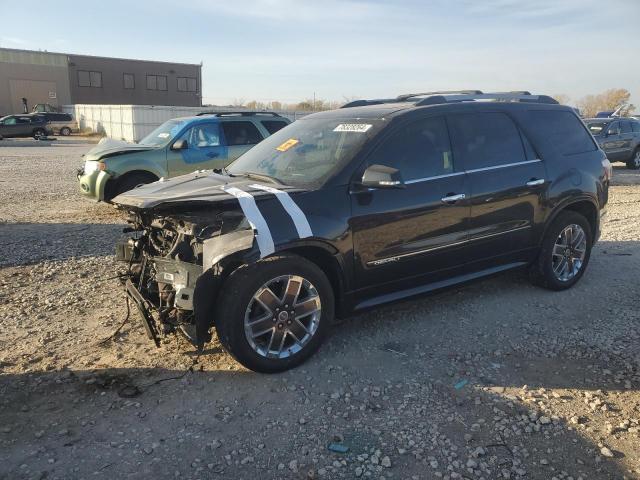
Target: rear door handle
(535, 181)
(453, 198)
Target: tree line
(608, 100)
(588, 105)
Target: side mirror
(381, 176)
(612, 133)
(180, 145)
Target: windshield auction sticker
(352, 127)
(287, 145)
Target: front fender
(118, 166)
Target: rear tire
(39, 132)
(65, 131)
(128, 182)
(560, 264)
(240, 317)
(634, 162)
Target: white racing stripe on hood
(297, 215)
(255, 218)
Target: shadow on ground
(28, 243)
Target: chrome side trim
(484, 169)
(426, 179)
(395, 258)
(506, 165)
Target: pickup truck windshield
(308, 151)
(163, 133)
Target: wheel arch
(324, 257)
(585, 206)
(112, 183)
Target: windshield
(596, 128)
(308, 151)
(163, 133)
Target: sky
(287, 50)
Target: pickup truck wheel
(65, 131)
(273, 314)
(634, 162)
(128, 182)
(39, 132)
(564, 254)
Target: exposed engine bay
(176, 264)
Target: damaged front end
(177, 263)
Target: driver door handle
(453, 198)
(535, 181)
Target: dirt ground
(498, 379)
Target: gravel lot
(497, 379)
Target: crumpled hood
(197, 187)
(108, 147)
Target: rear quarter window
(273, 126)
(564, 130)
(241, 133)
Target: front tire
(65, 131)
(634, 162)
(38, 133)
(565, 252)
(274, 314)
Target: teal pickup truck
(178, 146)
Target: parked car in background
(27, 125)
(61, 123)
(619, 137)
(349, 209)
(178, 146)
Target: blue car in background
(178, 146)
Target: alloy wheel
(282, 316)
(569, 252)
(636, 159)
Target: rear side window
(625, 127)
(564, 130)
(241, 133)
(273, 126)
(59, 117)
(635, 126)
(486, 140)
(419, 150)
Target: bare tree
(237, 102)
(606, 101)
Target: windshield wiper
(262, 176)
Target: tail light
(608, 169)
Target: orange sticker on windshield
(287, 145)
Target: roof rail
(362, 103)
(407, 96)
(242, 113)
(456, 96)
(523, 96)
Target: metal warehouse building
(64, 79)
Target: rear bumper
(603, 216)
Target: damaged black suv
(348, 209)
